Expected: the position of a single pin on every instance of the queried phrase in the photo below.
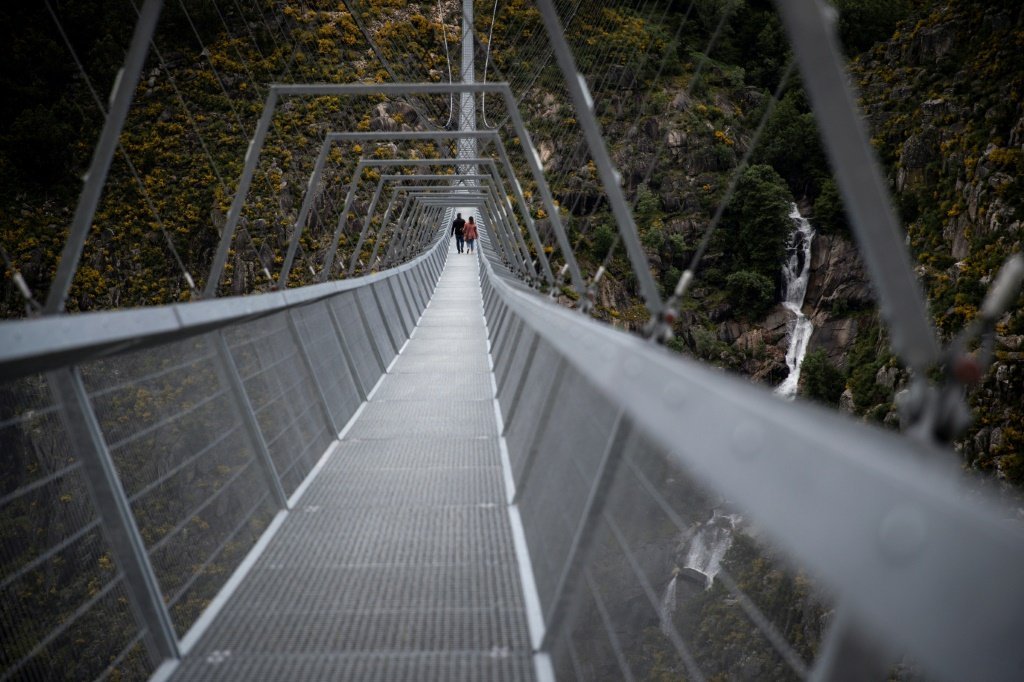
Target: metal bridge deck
(398, 561)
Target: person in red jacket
(470, 234)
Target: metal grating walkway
(398, 561)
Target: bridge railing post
(226, 364)
(314, 378)
(115, 511)
(583, 537)
(339, 336)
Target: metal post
(583, 538)
(610, 178)
(307, 362)
(342, 218)
(533, 161)
(308, 199)
(399, 310)
(96, 176)
(542, 426)
(502, 244)
(366, 224)
(467, 101)
(811, 29)
(380, 231)
(369, 333)
(513, 226)
(252, 156)
(114, 511)
(387, 327)
(506, 234)
(339, 335)
(518, 334)
(524, 210)
(398, 232)
(226, 364)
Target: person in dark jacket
(458, 229)
(471, 235)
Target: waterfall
(709, 545)
(667, 608)
(795, 273)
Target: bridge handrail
(145, 451)
(907, 544)
(43, 343)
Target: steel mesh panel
(377, 327)
(553, 498)
(176, 437)
(476, 534)
(402, 630)
(396, 293)
(398, 562)
(517, 358)
(441, 347)
(456, 294)
(498, 327)
(417, 419)
(63, 609)
(522, 424)
(329, 366)
(282, 394)
(448, 332)
(356, 338)
(393, 316)
(455, 321)
(448, 453)
(454, 361)
(729, 572)
(414, 289)
(465, 314)
(441, 386)
(504, 351)
(383, 588)
(363, 667)
(412, 487)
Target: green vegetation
(752, 293)
(820, 380)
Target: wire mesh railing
(681, 523)
(190, 440)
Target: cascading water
(709, 545)
(795, 274)
(668, 604)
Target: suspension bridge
(421, 467)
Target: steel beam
(95, 178)
(114, 510)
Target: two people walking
(465, 233)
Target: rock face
(837, 275)
(393, 116)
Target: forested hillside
(941, 83)
(680, 91)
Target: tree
(756, 223)
(829, 212)
(792, 147)
(751, 294)
(820, 380)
